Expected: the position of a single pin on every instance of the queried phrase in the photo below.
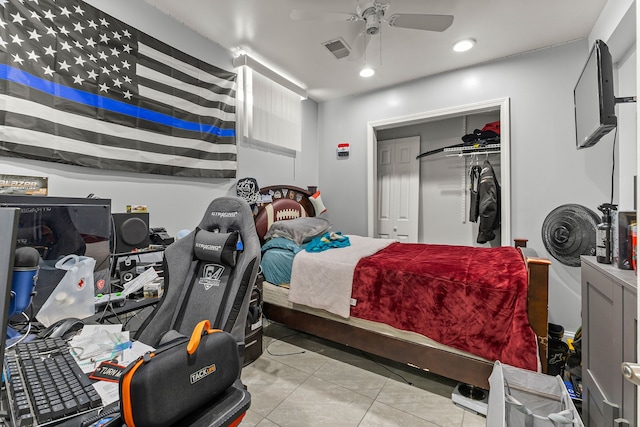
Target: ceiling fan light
(367, 72)
(464, 45)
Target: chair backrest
(208, 274)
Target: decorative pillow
(299, 230)
(279, 210)
(216, 247)
(316, 201)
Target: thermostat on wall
(343, 150)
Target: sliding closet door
(398, 189)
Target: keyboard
(45, 386)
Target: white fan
(370, 15)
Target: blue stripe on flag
(18, 76)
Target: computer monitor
(61, 226)
(8, 231)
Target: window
(269, 111)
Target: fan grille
(570, 231)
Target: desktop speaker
(127, 270)
(131, 231)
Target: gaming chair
(208, 274)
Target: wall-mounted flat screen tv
(594, 98)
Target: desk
(130, 306)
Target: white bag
(74, 295)
(523, 398)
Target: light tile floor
(304, 381)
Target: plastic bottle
(603, 234)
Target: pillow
(316, 201)
(216, 247)
(299, 230)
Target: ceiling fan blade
(359, 47)
(421, 21)
(309, 15)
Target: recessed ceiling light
(464, 45)
(367, 72)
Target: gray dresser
(609, 325)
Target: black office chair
(209, 274)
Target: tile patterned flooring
(304, 381)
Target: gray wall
(177, 203)
(547, 170)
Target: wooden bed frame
(436, 360)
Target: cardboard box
(137, 209)
(622, 250)
(154, 289)
(24, 185)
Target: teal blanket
(328, 241)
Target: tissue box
(137, 209)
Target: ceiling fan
(370, 16)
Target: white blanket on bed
(323, 279)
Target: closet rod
(473, 154)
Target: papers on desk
(148, 276)
(99, 343)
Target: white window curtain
(269, 112)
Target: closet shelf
(466, 147)
(480, 153)
(473, 150)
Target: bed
(385, 305)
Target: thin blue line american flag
(78, 86)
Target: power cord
(613, 161)
(24, 335)
(281, 339)
(365, 354)
(368, 356)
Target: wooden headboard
(281, 202)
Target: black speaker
(131, 231)
(127, 270)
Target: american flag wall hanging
(80, 87)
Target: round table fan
(570, 231)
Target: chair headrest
(216, 247)
(226, 214)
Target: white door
(398, 184)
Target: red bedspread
(472, 299)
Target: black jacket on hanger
(474, 200)
(489, 205)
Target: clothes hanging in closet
(474, 200)
(489, 204)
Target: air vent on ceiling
(338, 48)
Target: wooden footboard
(538, 303)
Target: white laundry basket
(522, 398)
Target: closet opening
(443, 196)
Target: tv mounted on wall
(594, 98)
